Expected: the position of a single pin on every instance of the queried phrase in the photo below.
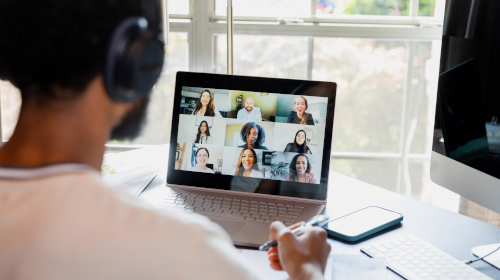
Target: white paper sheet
(262, 265)
(354, 267)
(338, 267)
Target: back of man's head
(57, 44)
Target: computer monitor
(466, 146)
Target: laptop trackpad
(231, 227)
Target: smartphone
(362, 223)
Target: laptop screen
(266, 142)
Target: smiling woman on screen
(300, 170)
(205, 105)
(201, 157)
(299, 145)
(299, 116)
(203, 135)
(247, 165)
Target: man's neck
(44, 139)
(66, 132)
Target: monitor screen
(468, 125)
(251, 141)
(466, 144)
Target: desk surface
(453, 233)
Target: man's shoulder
(84, 197)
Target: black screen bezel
(255, 84)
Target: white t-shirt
(206, 171)
(254, 173)
(68, 226)
(203, 139)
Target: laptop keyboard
(232, 208)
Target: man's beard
(249, 109)
(132, 123)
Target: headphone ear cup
(134, 61)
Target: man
(250, 112)
(57, 221)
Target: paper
(354, 267)
(263, 268)
(136, 186)
(132, 185)
(338, 267)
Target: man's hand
(302, 257)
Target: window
(384, 56)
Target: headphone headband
(135, 56)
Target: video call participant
(299, 145)
(250, 112)
(247, 165)
(253, 135)
(58, 219)
(300, 170)
(201, 158)
(203, 135)
(299, 116)
(205, 106)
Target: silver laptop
(247, 151)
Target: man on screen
(250, 112)
(57, 220)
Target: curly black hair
(245, 130)
(58, 44)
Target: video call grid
(246, 120)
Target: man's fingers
(273, 254)
(274, 257)
(276, 228)
(294, 226)
(276, 266)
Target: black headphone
(135, 55)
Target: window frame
(202, 25)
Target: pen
(314, 221)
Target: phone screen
(362, 221)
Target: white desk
(450, 232)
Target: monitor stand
(493, 259)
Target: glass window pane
(178, 7)
(157, 128)
(266, 8)
(11, 104)
(423, 94)
(265, 56)
(426, 7)
(364, 7)
(370, 75)
(384, 174)
(431, 8)
(425, 190)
